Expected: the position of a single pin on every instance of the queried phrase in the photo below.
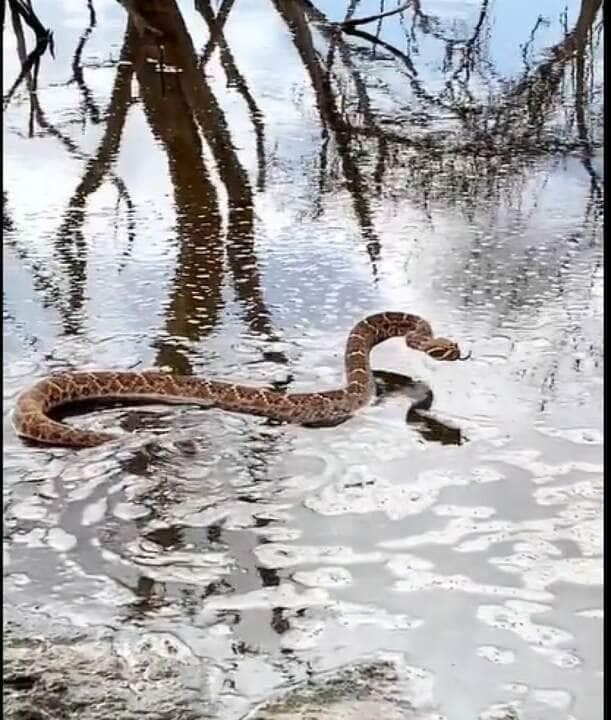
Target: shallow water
(233, 213)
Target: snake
(330, 407)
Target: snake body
(31, 419)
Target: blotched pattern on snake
(330, 407)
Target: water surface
(225, 189)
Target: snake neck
(373, 330)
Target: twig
(77, 69)
(405, 59)
(370, 18)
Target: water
(233, 213)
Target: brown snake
(317, 408)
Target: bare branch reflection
(89, 105)
(44, 40)
(70, 242)
(234, 77)
(331, 119)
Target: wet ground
(225, 189)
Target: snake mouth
(464, 357)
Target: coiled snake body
(31, 421)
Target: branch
(99, 165)
(405, 59)
(296, 21)
(26, 12)
(77, 69)
(44, 39)
(234, 77)
(216, 23)
(348, 24)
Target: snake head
(443, 349)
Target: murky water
(229, 201)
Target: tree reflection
(456, 142)
(494, 123)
